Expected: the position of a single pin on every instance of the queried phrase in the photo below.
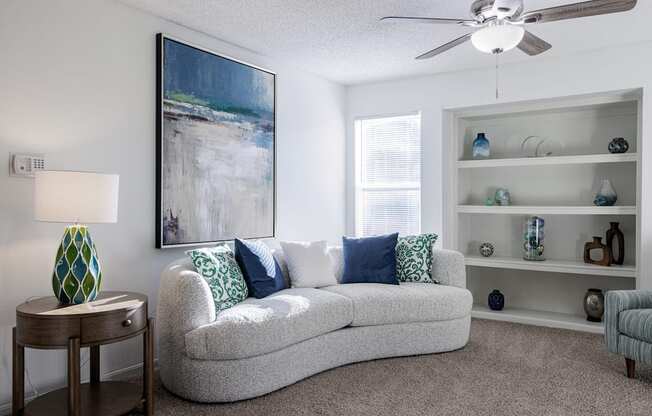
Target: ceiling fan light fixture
(497, 38)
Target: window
(388, 175)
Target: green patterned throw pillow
(218, 266)
(414, 258)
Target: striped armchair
(628, 326)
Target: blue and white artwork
(216, 147)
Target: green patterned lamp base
(77, 273)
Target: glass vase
(533, 236)
(606, 195)
(481, 147)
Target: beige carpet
(506, 369)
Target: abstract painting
(216, 133)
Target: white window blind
(388, 175)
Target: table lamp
(76, 198)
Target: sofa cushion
(414, 258)
(308, 263)
(220, 270)
(335, 253)
(379, 304)
(637, 324)
(260, 269)
(337, 260)
(370, 259)
(260, 326)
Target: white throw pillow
(308, 263)
(337, 261)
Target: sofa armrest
(185, 301)
(448, 267)
(617, 301)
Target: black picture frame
(160, 242)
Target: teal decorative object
(77, 273)
(481, 147)
(414, 258)
(502, 197)
(218, 267)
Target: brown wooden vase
(614, 233)
(596, 244)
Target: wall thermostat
(24, 165)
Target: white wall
(77, 83)
(627, 67)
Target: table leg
(18, 396)
(74, 375)
(95, 364)
(148, 368)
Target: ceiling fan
(500, 24)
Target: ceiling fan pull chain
(497, 78)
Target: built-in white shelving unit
(546, 210)
(539, 318)
(555, 266)
(560, 188)
(548, 161)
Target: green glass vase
(77, 273)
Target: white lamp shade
(75, 197)
(501, 38)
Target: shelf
(105, 398)
(539, 318)
(548, 161)
(547, 210)
(553, 266)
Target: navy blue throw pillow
(261, 272)
(370, 259)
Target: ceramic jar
(594, 305)
(618, 145)
(615, 235)
(496, 300)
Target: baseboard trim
(5, 408)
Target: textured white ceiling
(343, 40)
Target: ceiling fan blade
(443, 48)
(431, 20)
(533, 45)
(575, 10)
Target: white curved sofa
(261, 345)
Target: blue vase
(496, 300)
(481, 147)
(606, 195)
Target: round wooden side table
(114, 316)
